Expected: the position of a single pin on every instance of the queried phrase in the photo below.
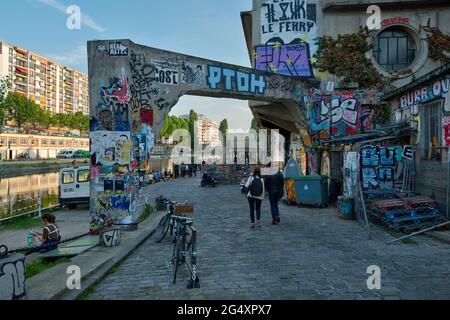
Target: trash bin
(312, 190)
(291, 171)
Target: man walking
(275, 188)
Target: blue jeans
(273, 199)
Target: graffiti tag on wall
(382, 167)
(437, 89)
(234, 80)
(12, 278)
(287, 59)
(288, 36)
(338, 116)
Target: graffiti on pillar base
(382, 166)
(235, 80)
(12, 279)
(111, 238)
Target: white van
(74, 186)
(65, 154)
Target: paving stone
(310, 255)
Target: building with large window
(54, 87)
(409, 49)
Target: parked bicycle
(166, 222)
(184, 250)
(181, 227)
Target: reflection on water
(19, 194)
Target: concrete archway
(133, 88)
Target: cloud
(76, 58)
(86, 20)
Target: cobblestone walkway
(311, 255)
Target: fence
(28, 206)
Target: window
(53, 142)
(12, 141)
(61, 143)
(431, 130)
(67, 177)
(2, 141)
(84, 176)
(24, 141)
(394, 49)
(44, 142)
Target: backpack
(256, 187)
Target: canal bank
(26, 186)
(9, 169)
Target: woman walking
(255, 195)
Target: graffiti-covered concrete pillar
(134, 87)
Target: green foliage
(223, 127)
(25, 113)
(37, 266)
(148, 210)
(18, 109)
(23, 223)
(255, 125)
(5, 84)
(172, 123)
(346, 58)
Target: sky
(209, 29)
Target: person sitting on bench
(50, 236)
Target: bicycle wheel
(176, 259)
(162, 228)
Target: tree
(79, 121)
(60, 120)
(18, 109)
(223, 126)
(193, 118)
(254, 125)
(5, 84)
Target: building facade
(345, 122)
(12, 146)
(209, 133)
(54, 87)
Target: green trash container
(312, 190)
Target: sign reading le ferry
(284, 16)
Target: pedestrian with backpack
(254, 188)
(275, 189)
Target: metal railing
(30, 206)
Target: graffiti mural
(350, 172)
(111, 238)
(288, 38)
(338, 116)
(146, 78)
(437, 89)
(134, 88)
(287, 59)
(193, 74)
(12, 277)
(234, 80)
(382, 166)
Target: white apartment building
(54, 87)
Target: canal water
(19, 194)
